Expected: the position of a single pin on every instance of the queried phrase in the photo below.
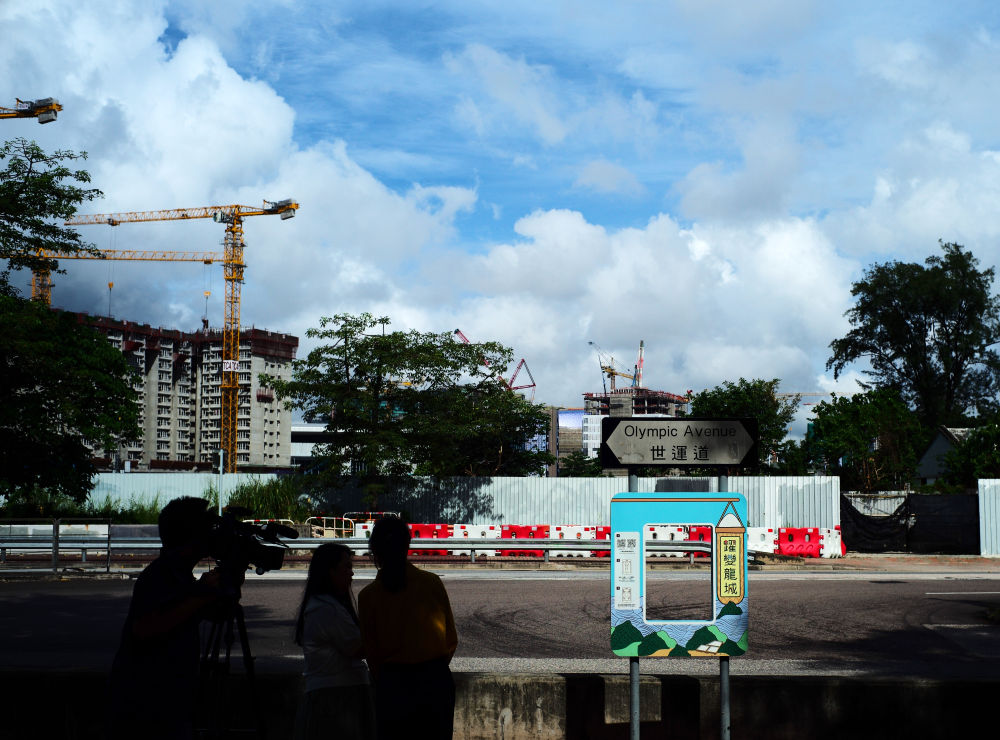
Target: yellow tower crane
(45, 110)
(233, 266)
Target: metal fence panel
(989, 517)
(145, 488)
(790, 501)
(800, 501)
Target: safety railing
(55, 536)
(105, 546)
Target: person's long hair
(318, 582)
(389, 543)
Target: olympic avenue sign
(678, 442)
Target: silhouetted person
(154, 677)
(338, 701)
(409, 635)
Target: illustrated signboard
(632, 635)
(678, 442)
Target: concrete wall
(72, 704)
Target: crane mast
(233, 266)
(612, 369)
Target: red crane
(508, 384)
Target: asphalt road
(914, 624)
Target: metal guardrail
(55, 539)
(100, 545)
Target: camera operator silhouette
(154, 677)
(409, 635)
(338, 701)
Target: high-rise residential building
(178, 381)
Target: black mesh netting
(923, 523)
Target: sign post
(724, 444)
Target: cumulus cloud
(464, 184)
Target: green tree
(36, 191)
(978, 456)
(871, 440)
(63, 387)
(926, 331)
(751, 399)
(791, 457)
(401, 403)
(577, 465)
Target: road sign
(726, 633)
(678, 442)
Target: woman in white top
(338, 700)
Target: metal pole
(724, 660)
(633, 662)
(222, 456)
(633, 698)
(724, 697)
(55, 544)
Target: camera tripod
(217, 714)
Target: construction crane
(41, 282)
(233, 265)
(45, 110)
(508, 384)
(612, 369)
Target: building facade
(179, 385)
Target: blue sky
(707, 176)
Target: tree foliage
(400, 403)
(926, 332)
(871, 440)
(754, 399)
(36, 191)
(577, 465)
(978, 456)
(62, 385)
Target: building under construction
(633, 402)
(179, 386)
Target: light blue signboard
(726, 633)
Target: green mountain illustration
(711, 633)
(623, 635)
(730, 609)
(651, 643)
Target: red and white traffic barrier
(667, 533)
(475, 531)
(572, 532)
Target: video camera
(236, 545)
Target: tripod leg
(248, 666)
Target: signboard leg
(633, 663)
(633, 700)
(724, 662)
(724, 697)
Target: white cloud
(515, 87)
(603, 176)
(785, 173)
(760, 188)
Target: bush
(278, 498)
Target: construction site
(201, 403)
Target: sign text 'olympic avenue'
(678, 442)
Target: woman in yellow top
(409, 635)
